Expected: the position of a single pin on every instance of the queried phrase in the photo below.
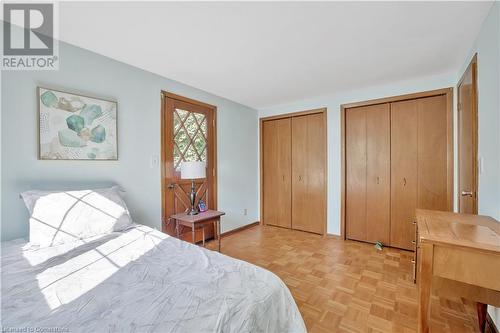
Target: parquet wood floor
(346, 286)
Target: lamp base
(192, 198)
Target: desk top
(463, 230)
(200, 217)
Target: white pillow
(58, 217)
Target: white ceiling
(267, 53)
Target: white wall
(138, 96)
(332, 103)
(487, 46)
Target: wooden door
(432, 189)
(368, 173)
(355, 166)
(309, 173)
(276, 165)
(467, 140)
(188, 134)
(378, 173)
(404, 161)
(421, 164)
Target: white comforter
(140, 280)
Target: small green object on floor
(379, 245)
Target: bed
(139, 280)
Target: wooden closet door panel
(432, 153)
(404, 139)
(378, 173)
(277, 172)
(316, 172)
(355, 165)
(308, 173)
(300, 199)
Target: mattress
(140, 280)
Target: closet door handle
(404, 181)
(300, 178)
(378, 180)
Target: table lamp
(193, 170)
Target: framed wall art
(76, 127)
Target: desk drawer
(468, 266)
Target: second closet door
(432, 154)
(308, 173)
(378, 173)
(368, 173)
(404, 161)
(419, 163)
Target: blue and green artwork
(75, 127)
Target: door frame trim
(473, 66)
(448, 92)
(164, 95)
(261, 159)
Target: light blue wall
(487, 46)
(332, 103)
(138, 96)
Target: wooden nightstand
(198, 222)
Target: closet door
(378, 173)
(404, 140)
(355, 165)
(432, 154)
(308, 173)
(276, 136)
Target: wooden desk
(458, 255)
(199, 221)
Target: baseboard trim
(248, 226)
(490, 325)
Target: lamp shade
(193, 170)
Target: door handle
(404, 181)
(378, 180)
(171, 186)
(300, 178)
(467, 194)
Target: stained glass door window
(190, 137)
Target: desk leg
(192, 233)
(203, 235)
(424, 287)
(218, 231)
(481, 315)
(214, 225)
